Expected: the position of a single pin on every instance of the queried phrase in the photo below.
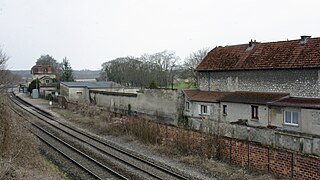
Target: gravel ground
(72, 171)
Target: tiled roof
(42, 69)
(298, 102)
(253, 97)
(271, 55)
(99, 84)
(204, 96)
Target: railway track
(146, 167)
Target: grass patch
(184, 85)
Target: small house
(250, 108)
(296, 114)
(79, 91)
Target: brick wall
(253, 156)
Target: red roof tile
(253, 97)
(271, 55)
(204, 96)
(42, 69)
(298, 102)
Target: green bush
(153, 85)
(34, 85)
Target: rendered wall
(237, 111)
(158, 103)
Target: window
(224, 109)
(254, 112)
(79, 93)
(187, 106)
(203, 109)
(291, 118)
(47, 81)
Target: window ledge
(290, 124)
(254, 119)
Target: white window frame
(204, 108)
(291, 117)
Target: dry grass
(19, 154)
(222, 170)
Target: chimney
(251, 45)
(304, 39)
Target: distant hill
(23, 73)
(78, 74)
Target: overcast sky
(90, 32)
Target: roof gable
(271, 55)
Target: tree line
(159, 68)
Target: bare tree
(7, 78)
(140, 72)
(4, 74)
(192, 61)
(161, 64)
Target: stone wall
(160, 104)
(297, 82)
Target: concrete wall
(309, 119)
(297, 82)
(120, 89)
(237, 111)
(298, 142)
(277, 118)
(198, 120)
(157, 103)
(194, 110)
(74, 94)
(78, 94)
